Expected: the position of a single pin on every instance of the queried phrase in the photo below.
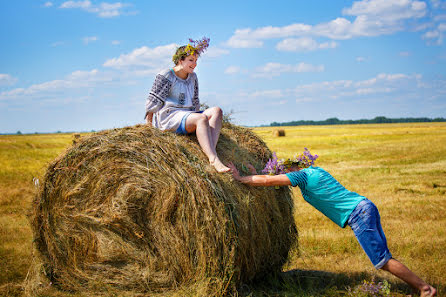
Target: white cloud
(89, 39)
(388, 10)
(382, 87)
(437, 4)
(303, 44)
(383, 83)
(267, 94)
(431, 34)
(116, 42)
(57, 43)
(242, 38)
(213, 52)
(436, 35)
(371, 18)
(440, 17)
(248, 38)
(76, 4)
(74, 81)
(360, 59)
(390, 86)
(7, 80)
(339, 28)
(404, 54)
(48, 4)
(103, 10)
(150, 59)
(232, 70)
(270, 70)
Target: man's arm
(260, 180)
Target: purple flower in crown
(198, 46)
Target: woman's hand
(251, 169)
(149, 117)
(234, 171)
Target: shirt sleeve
(157, 96)
(196, 99)
(298, 178)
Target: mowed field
(400, 167)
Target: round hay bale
(142, 210)
(278, 132)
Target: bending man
(343, 207)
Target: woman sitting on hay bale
(173, 102)
(343, 207)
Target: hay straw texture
(278, 132)
(142, 210)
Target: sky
(89, 65)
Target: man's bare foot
(219, 166)
(428, 291)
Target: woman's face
(189, 63)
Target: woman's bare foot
(219, 166)
(428, 291)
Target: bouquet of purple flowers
(276, 166)
(306, 159)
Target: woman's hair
(181, 54)
(195, 47)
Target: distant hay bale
(278, 132)
(138, 209)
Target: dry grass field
(400, 167)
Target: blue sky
(89, 65)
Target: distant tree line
(377, 120)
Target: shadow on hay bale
(142, 210)
(278, 132)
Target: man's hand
(260, 180)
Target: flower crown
(195, 47)
(276, 166)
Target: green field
(400, 167)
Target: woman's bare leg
(401, 271)
(200, 124)
(215, 117)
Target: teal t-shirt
(325, 193)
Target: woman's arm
(196, 99)
(157, 95)
(260, 180)
(149, 116)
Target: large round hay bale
(278, 132)
(142, 210)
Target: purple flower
(274, 166)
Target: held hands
(236, 174)
(234, 171)
(251, 169)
